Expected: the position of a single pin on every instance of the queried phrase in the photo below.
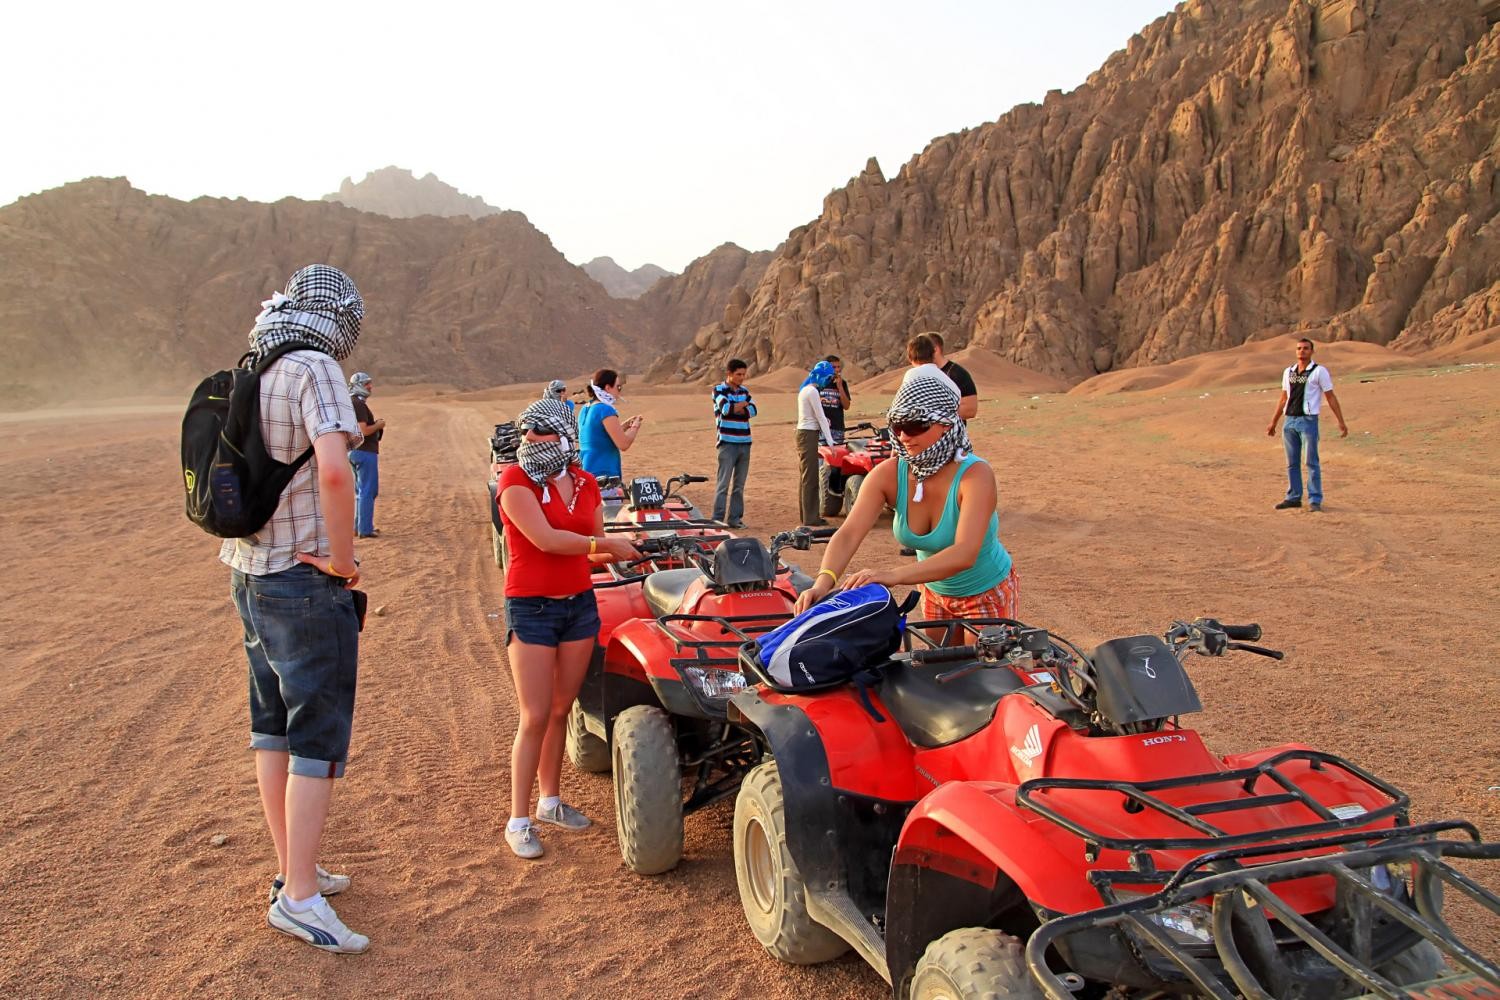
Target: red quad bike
(658, 698)
(646, 501)
(618, 590)
(864, 446)
(1034, 821)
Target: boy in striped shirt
(733, 409)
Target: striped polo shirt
(732, 429)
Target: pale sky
(644, 131)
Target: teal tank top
(993, 563)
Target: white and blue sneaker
(319, 926)
(328, 884)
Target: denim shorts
(302, 641)
(549, 621)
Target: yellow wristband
(593, 545)
(341, 576)
(832, 576)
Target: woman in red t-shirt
(554, 527)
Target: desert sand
(123, 703)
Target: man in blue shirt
(733, 409)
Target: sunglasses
(910, 428)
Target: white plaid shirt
(302, 397)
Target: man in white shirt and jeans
(1304, 387)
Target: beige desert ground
(123, 704)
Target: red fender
(972, 829)
(639, 648)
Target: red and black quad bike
(863, 447)
(503, 444)
(1034, 821)
(646, 501)
(618, 590)
(658, 697)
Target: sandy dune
(123, 705)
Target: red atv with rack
(1035, 821)
(863, 447)
(653, 707)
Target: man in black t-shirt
(835, 400)
(968, 393)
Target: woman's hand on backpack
(820, 589)
(324, 564)
(860, 577)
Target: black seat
(663, 589)
(933, 714)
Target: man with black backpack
(291, 581)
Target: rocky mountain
(1242, 168)
(105, 290)
(623, 284)
(705, 302)
(396, 192)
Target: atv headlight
(1190, 923)
(713, 684)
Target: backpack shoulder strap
(259, 364)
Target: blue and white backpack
(832, 641)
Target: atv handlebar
(1274, 654)
(1248, 633)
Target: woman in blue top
(945, 503)
(601, 435)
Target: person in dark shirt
(968, 393)
(365, 458)
(835, 398)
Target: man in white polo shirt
(1304, 387)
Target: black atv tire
(1418, 964)
(497, 540)
(648, 790)
(973, 963)
(587, 752)
(852, 486)
(771, 889)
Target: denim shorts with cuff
(550, 621)
(302, 641)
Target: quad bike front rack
(1252, 959)
(1138, 797)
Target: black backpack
(233, 483)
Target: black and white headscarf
(543, 461)
(936, 401)
(320, 306)
(359, 385)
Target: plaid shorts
(1001, 601)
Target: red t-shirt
(532, 572)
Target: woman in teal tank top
(946, 508)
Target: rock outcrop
(396, 192)
(705, 302)
(623, 284)
(1242, 168)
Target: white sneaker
(319, 926)
(328, 885)
(524, 842)
(564, 816)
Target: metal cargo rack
(1252, 962)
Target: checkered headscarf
(320, 307)
(543, 461)
(359, 384)
(934, 400)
